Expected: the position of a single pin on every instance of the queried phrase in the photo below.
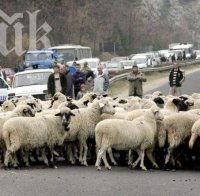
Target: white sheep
(57, 99)
(195, 133)
(21, 110)
(82, 126)
(38, 132)
(177, 128)
(124, 135)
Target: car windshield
(113, 64)
(118, 59)
(38, 56)
(140, 60)
(29, 79)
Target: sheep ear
(115, 98)
(101, 105)
(86, 102)
(176, 101)
(58, 114)
(94, 96)
(32, 105)
(158, 100)
(105, 95)
(72, 114)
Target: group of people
(77, 84)
(136, 79)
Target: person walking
(89, 74)
(56, 81)
(176, 79)
(136, 79)
(79, 78)
(69, 79)
(101, 82)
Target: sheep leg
(151, 158)
(70, 153)
(130, 157)
(142, 153)
(168, 156)
(111, 156)
(85, 154)
(99, 156)
(51, 149)
(81, 154)
(133, 165)
(25, 158)
(44, 157)
(107, 166)
(7, 158)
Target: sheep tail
(192, 140)
(6, 136)
(98, 139)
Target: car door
(3, 90)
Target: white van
(30, 82)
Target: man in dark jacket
(176, 79)
(69, 80)
(56, 81)
(79, 78)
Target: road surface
(86, 181)
(191, 84)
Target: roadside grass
(122, 85)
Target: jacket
(51, 84)
(79, 78)
(101, 83)
(180, 77)
(69, 88)
(135, 85)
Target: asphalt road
(68, 180)
(86, 181)
(191, 85)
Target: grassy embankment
(122, 85)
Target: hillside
(137, 25)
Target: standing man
(101, 82)
(136, 79)
(176, 79)
(69, 79)
(79, 78)
(89, 76)
(56, 81)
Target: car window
(39, 78)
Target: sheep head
(65, 114)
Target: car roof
(34, 71)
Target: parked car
(114, 67)
(30, 82)
(141, 61)
(119, 58)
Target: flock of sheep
(91, 128)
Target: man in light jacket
(101, 82)
(136, 79)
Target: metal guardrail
(153, 69)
